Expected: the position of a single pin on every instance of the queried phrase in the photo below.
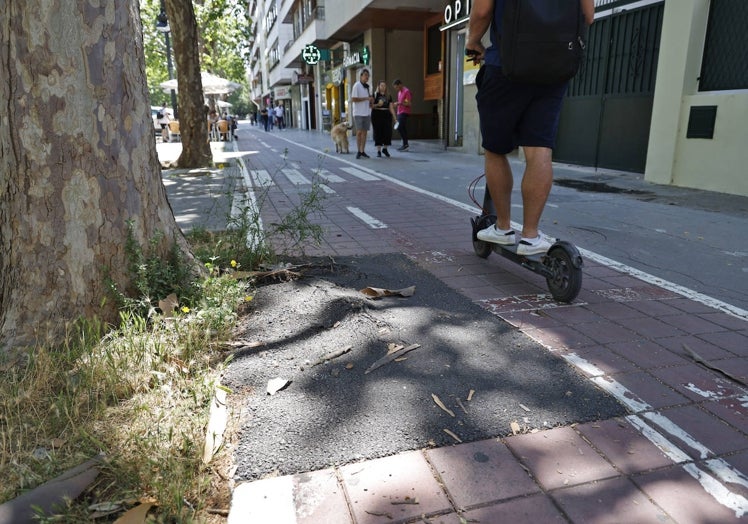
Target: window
(725, 65)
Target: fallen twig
(332, 355)
(389, 358)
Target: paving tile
(609, 502)
(647, 354)
(697, 383)
(624, 446)
(574, 315)
(727, 321)
(299, 499)
(712, 434)
(704, 349)
(608, 332)
(529, 319)
(691, 323)
(560, 457)
(732, 341)
(685, 499)
(691, 306)
(377, 489)
(532, 509)
(651, 328)
(560, 337)
(650, 390)
(617, 311)
(607, 361)
(480, 472)
(733, 410)
(655, 308)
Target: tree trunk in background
(77, 161)
(193, 117)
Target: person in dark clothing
(382, 116)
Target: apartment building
(663, 91)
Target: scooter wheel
(566, 269)
(481, 248)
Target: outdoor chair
(173, 131)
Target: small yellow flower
(248, 298)
(233, 263)
(185, 309)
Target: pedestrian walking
(403, 107)
(280, 115)
(514, 115)
(361, 101)
(382, 117)
(162, 117)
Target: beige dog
(339, 134)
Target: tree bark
(193, 116)
(77, 162)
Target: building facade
(663, 90)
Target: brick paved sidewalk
(680, 456)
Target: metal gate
(606, 116)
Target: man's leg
(500, 182)
(536, 186)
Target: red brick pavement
(680, 456)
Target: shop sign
(281, 92)
(337, 76)
(455, 13)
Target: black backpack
(542, 41)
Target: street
(665, 362)
(690, 241)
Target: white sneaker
(493, 235)
(533, 246)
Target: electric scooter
(561, 265)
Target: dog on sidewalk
(339, 134)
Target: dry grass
(140, 394)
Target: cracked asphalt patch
(333, 413)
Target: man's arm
(588, 8)
(481, 16)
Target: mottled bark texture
(77, 161)
(193, 116)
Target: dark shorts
(513, 114)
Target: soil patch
(335, 413)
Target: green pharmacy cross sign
(311, 54)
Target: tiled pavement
(681, 455)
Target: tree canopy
(223, 29)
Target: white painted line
(668, 426)
(255, 234)
(360, 173)
(261, 178)
(622, 394)
(367, 219)
(329, 177)
(583, 365)
(295, 177)
(670, 450)
(327, 189)
(724, 496)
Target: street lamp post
(162, 25)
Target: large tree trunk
(193, 117)
(77, 161)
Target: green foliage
(153, 277)
(223, 28)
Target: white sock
(532, 240)
(503, 231)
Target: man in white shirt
(361, 101)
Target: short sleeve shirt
(360, 108)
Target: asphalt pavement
(673, 358)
